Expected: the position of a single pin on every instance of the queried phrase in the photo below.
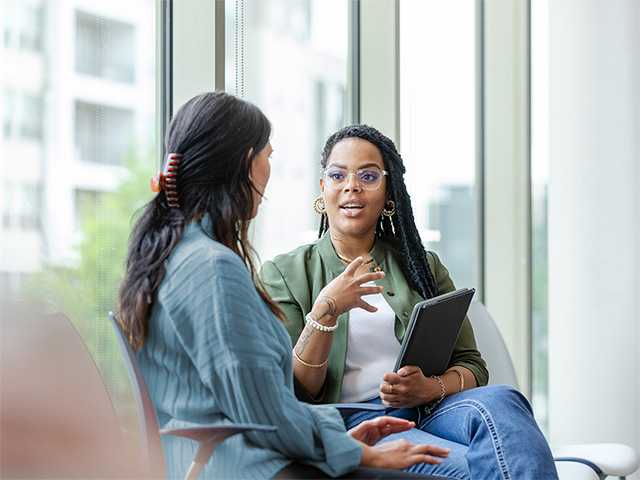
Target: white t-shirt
(372, 350)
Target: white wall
(594, 221)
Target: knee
(454, 467)
(501, 398)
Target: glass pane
(438, 128)
(113, 63)
(539, 202)
(290, 58)
(22, 24)
(78, 147)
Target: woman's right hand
(401, 454)
(346, 290)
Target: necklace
(347, 261)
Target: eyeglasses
(369, 178)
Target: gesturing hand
(408, 388)
(371, 431)
(346, 289)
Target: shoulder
(199, 258)
(293, 262)
(434, 261)
(435, 264)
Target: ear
(322, 185)
(249, 154)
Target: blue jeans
(490, 430)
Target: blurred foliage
(87, 291)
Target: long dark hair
(407, 242)
(214, 133)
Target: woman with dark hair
(366, 215)
(209, 340)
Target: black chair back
(148, 423)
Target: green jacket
(295, 279)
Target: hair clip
(166, 181)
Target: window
(52, 194)
(103, 134)
(30, 36)
(290, 58)
(22, 116)
(21, 207)
(539, 212)
(93, 34)
(31, 118)
(86, 204)
(22, 25)
(8, 109)
(438, 128)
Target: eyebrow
(366, 165)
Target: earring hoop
(319, 206)
(389, 209)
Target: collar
(202, 225)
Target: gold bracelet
(332, 306)
(454, 369)
(443, 393)
(310, 365)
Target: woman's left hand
(372, 431)
(408, 387)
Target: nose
(352, 183)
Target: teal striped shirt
(215, 353)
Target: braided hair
(406, 241)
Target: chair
(207, 436)
(56, 417)
(574, 462)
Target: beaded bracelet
(317, 325)
(443, 392)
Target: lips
(351, 209)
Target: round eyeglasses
(369, 178)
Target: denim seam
(486, 416)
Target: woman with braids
(366, 226)
(209, 341)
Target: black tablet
(433, 330)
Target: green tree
(87, 291)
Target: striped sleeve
(231, 341)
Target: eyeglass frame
(385, 173)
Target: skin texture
(352, 232)
(260, 174)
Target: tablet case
(433, 331)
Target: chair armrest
(203, 433)
(209, 437)
(613, 459)
(576, 470)
(347, 409)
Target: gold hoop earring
(389, 209)
(319, 205)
